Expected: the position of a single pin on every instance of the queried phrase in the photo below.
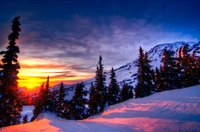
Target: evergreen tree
(130, 92)
(25, 119)
(179, 69)
(169, 71)
(93, 104)
(38, 103)
(10, 105)
(60, 101)
(126, 92)
(157, 79)
(144, 76)
(149, 74)
(100, 93)
(46, 96)
(113, 89)
(187, 64)
(196, 65)
(77, 107)
(52, 100)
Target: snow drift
(175, 110)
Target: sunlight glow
(34, 72)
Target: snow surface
(175, 110)
(27, 110)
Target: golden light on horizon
(32, 75)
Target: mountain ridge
(128, 73)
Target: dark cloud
(74, 34)
(82, 40)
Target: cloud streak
(67, 46)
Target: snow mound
(175, 110)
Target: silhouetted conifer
(46, 96)
(25, 119)
(126, 92)
(187, 64)
(93, 104)
(10, 105)
(38, 103)
(157, 79)
(60, 100)
(77, 109)
(113, 89)
(169, 71)
(100, 93)
(144, 76)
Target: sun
(30, 86)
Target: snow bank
(175, 110)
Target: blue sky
(70, 35)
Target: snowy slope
(175, 110)
(128, 72)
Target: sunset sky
(63, 39)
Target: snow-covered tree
(113, 89)
(10, 105)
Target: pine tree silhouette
(145, 76)
(25, 119)
(93, 104)
(126, 92)
(60, 101)
(46, 96)
(169, 71)
(113, 89)
(78, 102)
(100, 92)
(10, 108)
(157, 79)
(38, 103)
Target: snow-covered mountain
(168, 111)
(128, 72)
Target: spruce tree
(149, 74)
(38, 103)
(170, 74)
(157, 79)
(60, 100)
(93, 104)
(25, 119)
(126, 92)
(196, 66)
(113, 89)
(77, 107)
(179, 68)
(187, 64)
(100, 93)
(10, 105)
(144, 76)
(46, 95)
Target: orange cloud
(32, 74)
